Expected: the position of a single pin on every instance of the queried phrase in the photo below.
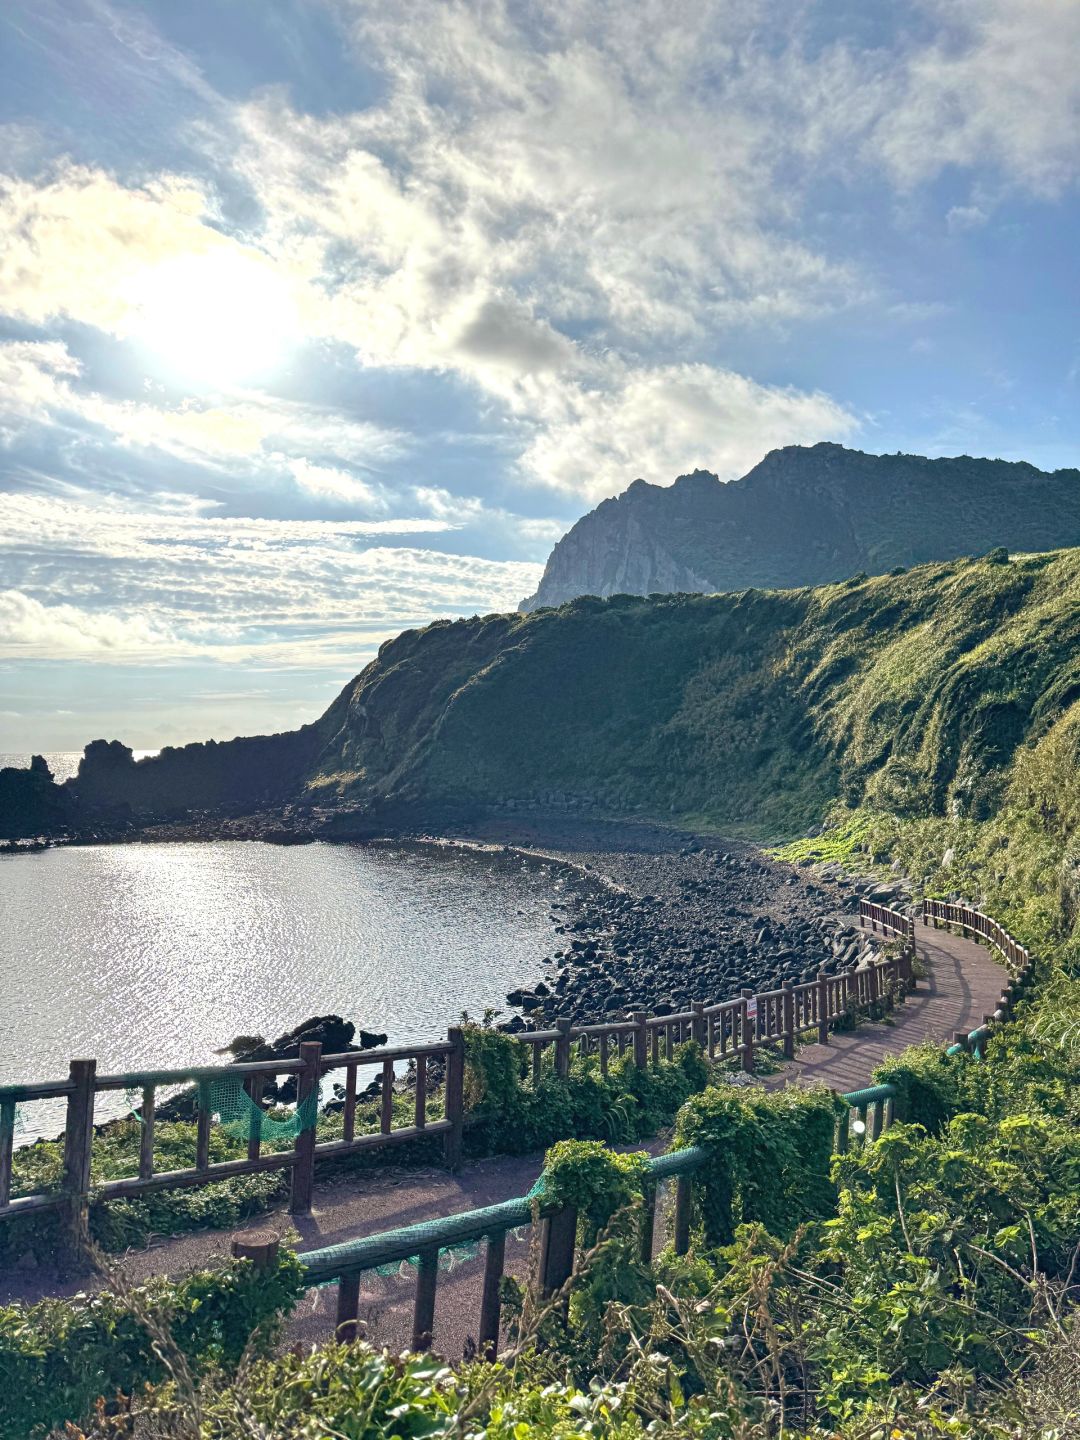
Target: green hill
(909, 692)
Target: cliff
(807, 516)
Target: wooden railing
(1017, 957)
(730, 1029)
(310, 1068)
(871, 1112)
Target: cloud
(996, 86)
(30, 628)
(112, 584)
(74, 243)
(328, 482)
(662, 422)
(38, 387)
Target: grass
(921, 695)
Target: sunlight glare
(221, 315)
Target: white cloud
(37, 386)
(110, 585)
(330, 482)
(997, 86)
(666, 421)
(569, 204)
(28, 627)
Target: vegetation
(928, 694)
(919, 1287)
(59, 1356)
(508, 1113)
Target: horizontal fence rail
(871, 1112)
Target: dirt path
(963, 986)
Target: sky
(320, 319)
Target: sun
(217, 316)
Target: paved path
(963, 985)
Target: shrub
(511, 1113)
(769, 1156)
(58, 1356)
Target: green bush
(931, 1087)
(509, 1112)
(58, 1356)
(769, 1156)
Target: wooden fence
(730, 1029)
(872, 1111)
(310, 1069)
(1017, 957)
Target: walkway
(963, 986)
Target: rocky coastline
(657, 919)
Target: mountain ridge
(808, 515)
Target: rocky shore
(654, 918)
(658, 918)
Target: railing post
(78, 1140)
(648, 1221)
(454, 1096)
(842, 1131)
(347, 1319)
(641, 1039)
(259, 1246)
(557, 1245)
(875, 1118)
(683, 1195)
(491, 1301)
(562, 1046)
(698, 1027)
(427, 1275)
(303, 1169)
(747, 1027)
(788, 1002)
(823, 1007)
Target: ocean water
(156, 955)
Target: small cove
(145, 955)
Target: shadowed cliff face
(233, 776)
(808, 516)
(31, 803)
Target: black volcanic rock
(31, 803)
(808, 516)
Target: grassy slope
(911, 693)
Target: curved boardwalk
(963, 986)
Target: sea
(157, 955)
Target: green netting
(449, 1255)
(233, 1109)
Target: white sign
(751, 1009)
